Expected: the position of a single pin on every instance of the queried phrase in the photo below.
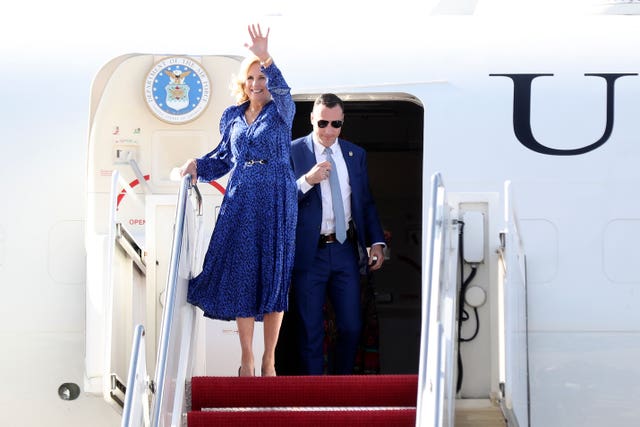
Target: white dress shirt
(328, 222)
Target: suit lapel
(310, 157)
(348, 156)
(310, 160)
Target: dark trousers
(334, 274)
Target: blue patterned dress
(247, 268)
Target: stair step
(305, 418)
(308, 408)
(305, 391)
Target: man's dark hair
(330, 100)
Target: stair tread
(305, 391)
(308, 408)
(368, 418)
(478, 413)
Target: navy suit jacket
(363, 209)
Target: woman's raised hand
(259, 42)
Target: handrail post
(436, 183)
(109, 283)
(168, 312)
(137, 367)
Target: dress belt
(327, 238)
(331, 237)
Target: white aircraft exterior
(544, 98)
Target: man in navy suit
(325, 265)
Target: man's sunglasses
(334, 123)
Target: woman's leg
(272, 323)
(245, 330)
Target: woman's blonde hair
(238, 82)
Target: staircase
(357, 400)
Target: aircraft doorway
(390, 128)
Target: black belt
(331, 237)
(327, 238)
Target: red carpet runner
(358, 400)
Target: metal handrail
(435, 376)
(138, 173)
(514, 347)
(109, 283)
(169, 307)
(428, 281)
(135, 410)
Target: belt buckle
(324, 240)
(253, 162)
(329, 238)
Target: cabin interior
(390, 130)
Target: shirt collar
(319, 148)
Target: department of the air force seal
(177, 90)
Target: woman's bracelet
(266, 62)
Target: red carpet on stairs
(339, 390)
(381, 400)
(389, 418)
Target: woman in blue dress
(247, 268)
